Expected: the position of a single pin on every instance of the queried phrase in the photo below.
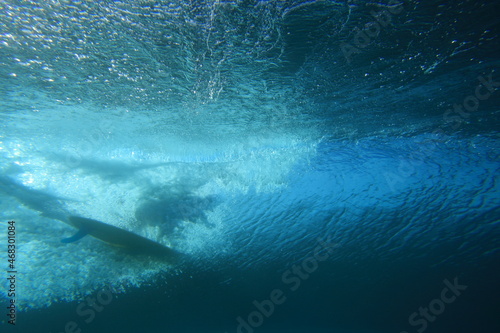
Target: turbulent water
(322, 166)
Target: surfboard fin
(79, 235)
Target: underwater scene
(250, 166)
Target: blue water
(322, 166)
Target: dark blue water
(320, 166)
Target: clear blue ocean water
(319, 166)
